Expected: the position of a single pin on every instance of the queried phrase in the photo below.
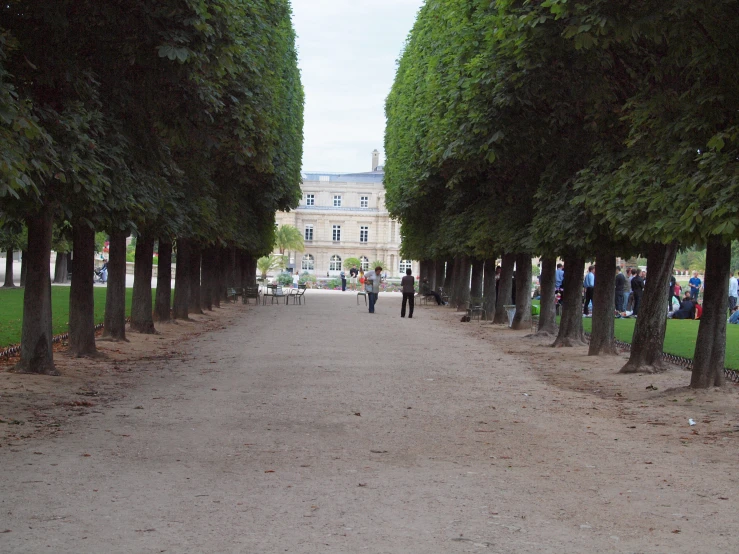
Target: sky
(347, 52)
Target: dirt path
(320, 428)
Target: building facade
(344, 216)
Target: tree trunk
(194, 305)
(462, 281)
(9, 284)
(439, 269)
(651, 323)
(81, 296)
(570, 324)
(249, 266)
(488, 294)
(522, 319)
(60, 268)
(115, 297)
(164, 281)
(710, 348)
(182, 280)
(142, 316)
(231, 257)
(215, 297)
(505, 288)
(602, 338)
(36, 351)
(449, 276)
(547, 308)
(24, 266)
(208, 272)
(476, 283)
(223, 274)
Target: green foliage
(307, 278)
(269, 263)
(284, 279)
(352, 262)
(376, 263)
(289, 238)
(168, 117)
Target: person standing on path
(372, 286)
(733, 291)
(409, 290)
(589, 285)
(343, 281)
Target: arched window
(365, 263)
(309, 263)
(405, 264)
(335, 263)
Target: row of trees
(580, 130)
(179, 121)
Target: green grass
(680, 337)
(11, 311)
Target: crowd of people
(629, 289)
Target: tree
(352, 262)
(289, 238)
(265, 264)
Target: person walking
(372, 283)
(409, 290)
(589, 285)
(637, 289)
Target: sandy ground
(320, 428)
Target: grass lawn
(680, 337)
(11, 311)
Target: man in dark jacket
(620, 285)
(637, 289)
(687, 309)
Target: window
(337, 233)
(310, 199)
(363, 234)
(335, 264)
(364, 201)
(309, 232)
(365, 263)
(337, 201)
(309, 263)
(324, 178)
(405, 264)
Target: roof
(369, 177)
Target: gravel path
(321, 428)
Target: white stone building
(344, 216)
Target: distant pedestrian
(695, 286)
(559, 277)
(589, 285)
(733, 291)
(409, 290)
(637, 290)
(353, 277)
(296, 280)
(672, 290)
(372, 286)
(621, 292)
(343, 280)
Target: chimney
(375, 159)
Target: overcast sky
(347, 54)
